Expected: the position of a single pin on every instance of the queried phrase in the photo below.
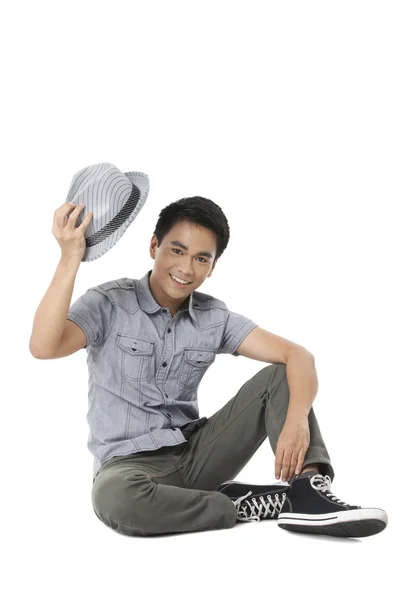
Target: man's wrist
(295, 416)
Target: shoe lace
(323, 483)
(247, 510)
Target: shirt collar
(149, 304)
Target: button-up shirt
(145, 365)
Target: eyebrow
(176, 243)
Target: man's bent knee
(119, 503)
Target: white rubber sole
(359, 522)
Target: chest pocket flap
(199, 358)
(134, 345)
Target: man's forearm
(303, 383)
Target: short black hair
(198, 210)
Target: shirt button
(169, 330)
(164, 310)
(164, 364)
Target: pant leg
(143, 494)
(220, 449)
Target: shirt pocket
(135, 356)
(193, 366)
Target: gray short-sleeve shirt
(145, 366)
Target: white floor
(62, 550)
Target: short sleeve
(94, 313)
(237, 328)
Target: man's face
(188, 264)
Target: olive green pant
(173, 489)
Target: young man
(159, 467)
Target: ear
(153, 246)
(213, 267)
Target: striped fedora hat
(114, 198)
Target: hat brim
(142, 182)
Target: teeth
(179, 280)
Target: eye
(177, 249)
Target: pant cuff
(325, 468)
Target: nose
(186, 273)
(187, 276)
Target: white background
(286, 114)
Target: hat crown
(98, 183)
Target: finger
(85, 221)
(278, 463)
(286, 464)
(300, 461)
(61, 214)
(72, 218)
(293, 464)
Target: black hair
(198, 210)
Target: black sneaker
(310, 507)
(255, 502)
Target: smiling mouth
(181, 284)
